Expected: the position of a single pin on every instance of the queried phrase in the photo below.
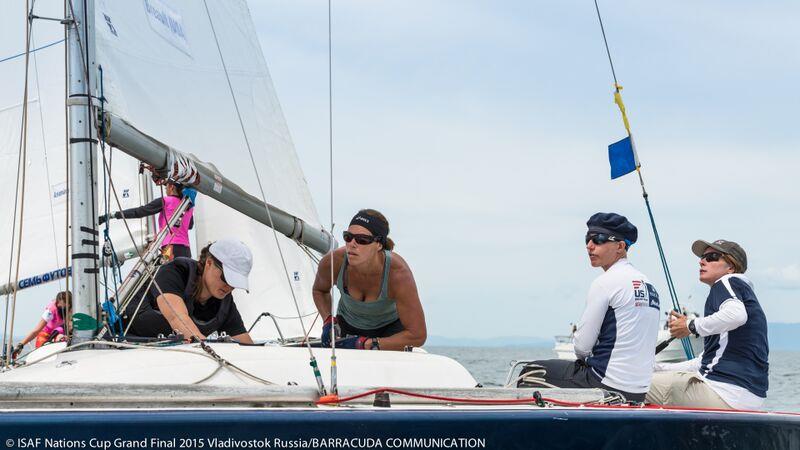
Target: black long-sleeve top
(152, 208)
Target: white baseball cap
(236, 259)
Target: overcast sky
(480, 128)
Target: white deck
(188, 364)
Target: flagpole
(687, 347)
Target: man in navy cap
(616, 337)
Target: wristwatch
(692, 329)
(375, 344)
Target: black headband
(375, 225)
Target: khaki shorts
(683, 389)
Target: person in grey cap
(616, 337)
(193, 298)
(733, 370)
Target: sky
(480, 129)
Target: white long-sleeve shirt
(618, 330)
(731, 315)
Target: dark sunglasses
(221, 272)
(711, 257)
(361, 239)
(601, 238)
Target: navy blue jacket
(739, 356)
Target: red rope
(521, 401)
(477, 401)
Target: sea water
(490, 365)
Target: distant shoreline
(782, 336)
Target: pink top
(180, 233)
(53, 319)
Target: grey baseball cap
(729, 248)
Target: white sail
(45, 204)
(163, 73)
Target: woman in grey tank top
(379, 307)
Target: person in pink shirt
(52, 325)
(176, 243)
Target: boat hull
(507, 428)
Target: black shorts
(148, 322)
(178, 251)
(384, 331)
(574, 374)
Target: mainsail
(163, 72)
(43, 261)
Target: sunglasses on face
(601, 238)
(361, 239)
(711, 257)
(221, 272)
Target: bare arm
(244, 338)
(32, 335)
(403, 289)
(174, 310)
(322, 284)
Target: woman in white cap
(194, 298)
(379, 307)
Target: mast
(83, 180)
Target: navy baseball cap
(614, 225)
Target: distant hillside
(507, 341)
(782, 336)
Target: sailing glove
(191, 193)
(102, 219)
(353, 342)
(17, 349)
(327, 327)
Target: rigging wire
(92, 170)
(334, 378)
(46, 160)
(9, 58)
(21, 187)
(113, 320)
(67, 170)
(687, 347)
(222, 362)
(261, 189)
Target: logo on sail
(167, 23)
(59, 192)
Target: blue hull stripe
(539, 428)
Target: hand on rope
(678, 325)
(358, 343)
(17, 350)
(328, 328)
(101, 219)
